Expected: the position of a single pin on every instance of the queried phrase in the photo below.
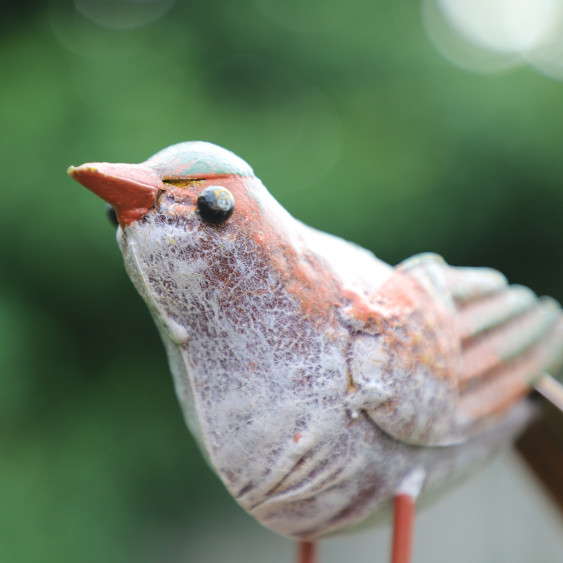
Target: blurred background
(405, 126)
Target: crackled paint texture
(315, 377)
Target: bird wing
(444, 352)
(508, 339)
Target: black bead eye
(110, 212)
(215, 204)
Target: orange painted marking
(131, 189)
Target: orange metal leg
(306, 552)
(403, 527)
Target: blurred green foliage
(350, 118)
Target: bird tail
(541, 445)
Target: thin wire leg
(403, 527)
(306, 552)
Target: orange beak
(131, 189)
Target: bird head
(194, 190)
(178, 173)
(193, 203)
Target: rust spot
(297, 436)
(182, 182)
(362, 310)
(352, 386)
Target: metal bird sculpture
(323, 385)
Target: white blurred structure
(123, 14)
(494, 35)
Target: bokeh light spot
(84, 38)
(493, 35)
(123, 14)
(503, 25)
